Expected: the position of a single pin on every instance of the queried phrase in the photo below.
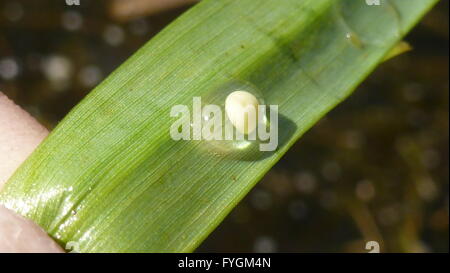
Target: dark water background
(375, 168)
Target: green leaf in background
(110, 178)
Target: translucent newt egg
(241, 118)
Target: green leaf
(400, 48)
(110, 178)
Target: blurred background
(375, 168)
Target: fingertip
(20, 134)
(20, 235)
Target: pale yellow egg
(241, 108)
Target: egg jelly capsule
(238, 106)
